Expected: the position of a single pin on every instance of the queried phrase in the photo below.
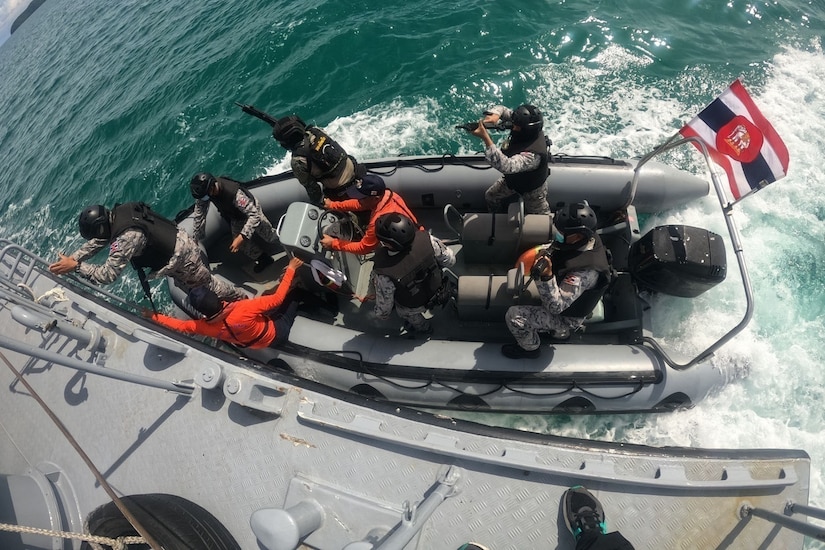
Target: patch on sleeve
(242, 200)
(115, 246)
(572, 280)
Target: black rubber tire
(174, 522)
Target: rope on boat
(120, 543)
(88, 461)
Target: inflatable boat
(612, 364)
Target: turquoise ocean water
(111, 102)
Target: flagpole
(727, 209)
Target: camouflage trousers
(535, 201)
(264, 230)
(526, 322)
(189, 270)
(414, 316)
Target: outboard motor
(678, 260)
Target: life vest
(161, 233)
(225, 199)
(523, 182)
(390, 203)
(415, 274)
(565, 261)
(324, 156)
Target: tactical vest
(225, 199)
(565, 261)
(523, 182)
(161, 234)
(324, 157)
(416, 274)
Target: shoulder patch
(572, 279)
(242, 199)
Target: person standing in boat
(240, 209)
(571, 275)
(407, 271)
(369, 195)
(255, 323)
(522, 159)
(135, 233)
(319, 163)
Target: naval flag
(740, 140)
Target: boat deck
(246, 440)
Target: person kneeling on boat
(369, 195)
(241, 211)
(571, 276)
(407, 271)
(522, 159)
(137, 234)
(252, 323)
(317, 159)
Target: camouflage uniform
(385, 292)
(255, 223)
(535, 201)
(186, 266)
(525, 322)
(309, 180)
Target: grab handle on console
(449, 208)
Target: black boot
(515, 351)
(263, 261)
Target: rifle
(145, 284)
(501, 125)
(257, 113)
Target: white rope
(59, 295)
(119, 543)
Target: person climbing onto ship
(137, 234)
(319, 163)
(370, 195)
(407, 271)
(254, 323)
(522, 159)
(239, 208)
(571, 274)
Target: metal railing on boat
(727, 209)
(783, 520)
(19, 266)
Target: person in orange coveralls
(251, 323)
(370, 195)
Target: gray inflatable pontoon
(612, 365)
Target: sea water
(114, 102)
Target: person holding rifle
(319, 163)
(522, 159)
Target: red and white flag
(740, 140)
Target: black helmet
(395, 231)
(528, 118)
(576, 218)
(289, 131)
(199, 186)
(94, 222)
(205, 300)
(369, 186)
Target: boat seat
(487, 297)
(489, 238)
